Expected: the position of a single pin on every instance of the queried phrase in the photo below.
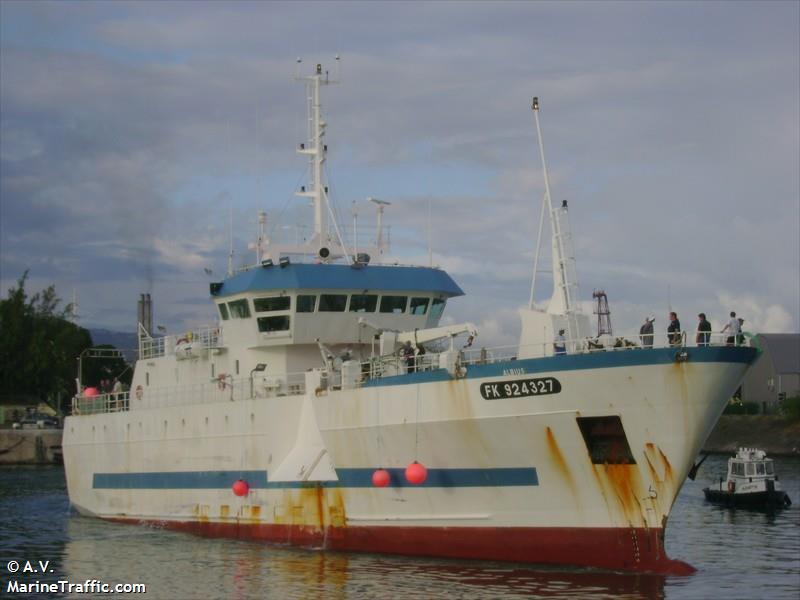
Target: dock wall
(30, 446)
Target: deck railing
(354, 374)
(154, 347)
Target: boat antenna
(230, 236)
(430, 247)
(381, 204)
(354, 210)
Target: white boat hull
(508, 478)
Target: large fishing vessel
(328, 407)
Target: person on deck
(733, 328)
(559, 343)
(674, 330)
(703, 330)
(408, 354)
(646, 332)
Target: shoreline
(776, 435)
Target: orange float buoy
(381, 478)
(240, 487)
(416, 473)
(90, 392)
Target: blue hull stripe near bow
(348, 478)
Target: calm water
(739, 554)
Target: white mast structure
(325, 242)
(563, 310)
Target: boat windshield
(751, 469)
(760, 468)
(770, 467)
(737, 468)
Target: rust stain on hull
(314, 508)
(623, 483)
(559, 462)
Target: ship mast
(565, 280)
(316, 150)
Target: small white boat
(751, 483)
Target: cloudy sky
(129, 131)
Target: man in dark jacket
(674, 330)
(703, 331)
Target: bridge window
(419, 306)
(760, 468)
(394, 304)
(770, 468)
(437, 308)
(363, 302)
(239, 309)
(751, 469)
(306, 303)
(270, 324)
(274, 303)
(332, 302)
(223, 311)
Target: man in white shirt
(732, 327)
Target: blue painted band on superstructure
(348, 478)
(417, 377)
(341, 277)
(572, 362)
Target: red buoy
(240, 487)
(416, 473)
(90, 392)
(381, 478)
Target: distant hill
(122, 340)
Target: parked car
(37, 421)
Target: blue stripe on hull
(348, 478)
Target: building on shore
(776, 375)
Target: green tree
(39, 345)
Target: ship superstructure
(330, 407)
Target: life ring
(221, 381)
(139, 392)
(731, 487)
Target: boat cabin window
(274, 303)
(270, 324)
(738, 469)
(394, 304)
(760, 468)
(437, 307)
(418, 306)
(363, 302)
(306, 303)
(751, 469)
(770, 468)
(239, 309)
(223, 311)
(332, 302)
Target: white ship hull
(539, 476)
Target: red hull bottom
(633, 549)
